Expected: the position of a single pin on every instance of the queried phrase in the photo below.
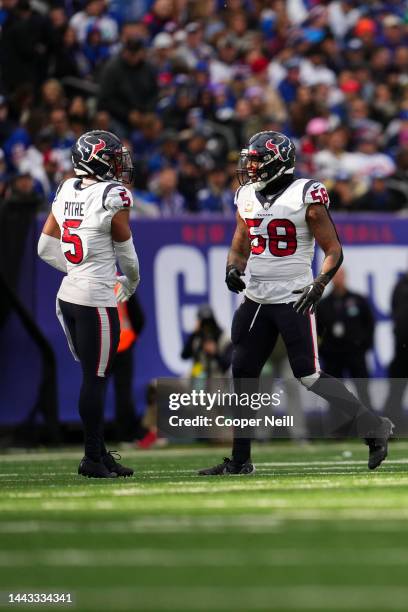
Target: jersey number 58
(281, 234)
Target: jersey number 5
(76, 255)
(125, 198)
(281, 234)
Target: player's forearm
(49, 249)
(237, 259)
(128, 260)
(332, 262)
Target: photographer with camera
(208, 346)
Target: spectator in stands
(3, 175)
(175, 116)
(193, 49)
(228, 71)
(96, 50)
(161, 13)
(290, 83)
(217, 197)
(336, 158)
(128, 85)
(6, 124)
(52, 95)
(26, 43)
(368, 158)
(398, 182)
(22, 192)
(379, 197)
(223, 67)
(166, 194)
(94, 15)
(342, 193)
(68, 56)
(62, 138)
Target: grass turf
(311, 530)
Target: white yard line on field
(201, 557)
(312, 597)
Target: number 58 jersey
(84, 215)
(282, 245)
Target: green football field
(312, 530)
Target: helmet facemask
(123, 166)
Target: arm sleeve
(49, 249)
(128, 260)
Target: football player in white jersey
(84, 235)
(279, 217)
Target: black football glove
(310, 295)
(233, 280)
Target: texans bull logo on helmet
(89, 150)
(280, 149)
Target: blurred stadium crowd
(185, 82)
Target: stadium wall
(183, 265)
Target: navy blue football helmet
(268, 156)
(101, 155)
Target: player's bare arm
(240, 246)
(51, 227)
(238, 257)
(324, 232)
(49, 248)
(126, 255)
(120, 228)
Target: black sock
(241, 449)
(91, 401)
(363, 421)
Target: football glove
(310, 295)
(126, 289)
(233, 280)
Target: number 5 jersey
(84, 215)
(282, 245)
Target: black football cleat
(94, 469)
(228, 467)
(378, 444)
(112, 465)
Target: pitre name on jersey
(86, 239)
(74, 209)
(282, 245)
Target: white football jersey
(282, 245)
(84, 215)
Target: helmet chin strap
(260, 185)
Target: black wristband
(327, 276)
(233, 267)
